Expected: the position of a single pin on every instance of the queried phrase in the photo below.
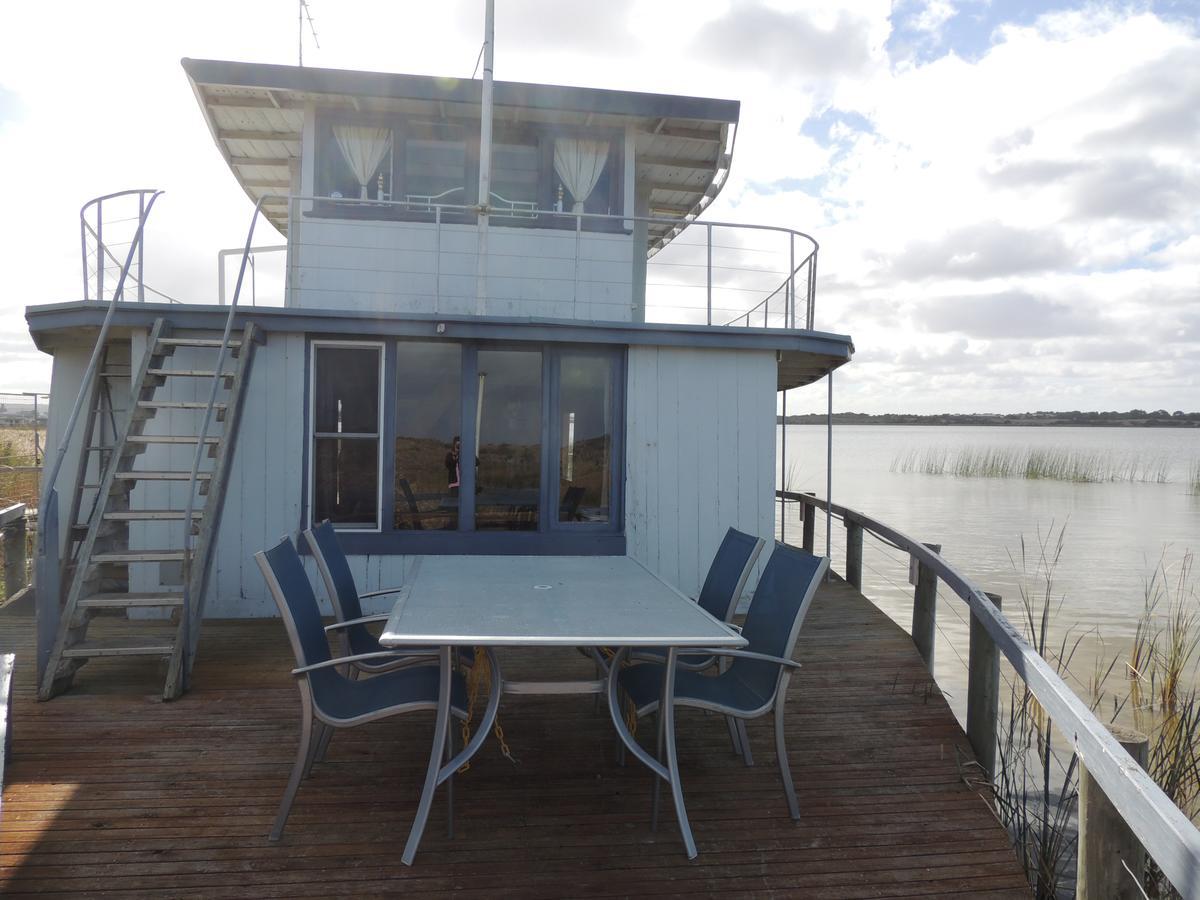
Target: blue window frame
(546, 422)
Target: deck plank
(109, 791)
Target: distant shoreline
(1135, 418)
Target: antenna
(302, 13)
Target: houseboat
(473, 355)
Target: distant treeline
(1134, 418)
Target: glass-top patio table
(546, 601)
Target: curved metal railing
(1164, 831)
(97, 232)
(788, 283)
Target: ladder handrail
(48, 482)
(201, 447)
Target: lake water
(1117, 533)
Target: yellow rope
(479, 680)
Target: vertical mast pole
(485, 160)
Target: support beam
(273, 161)
(983, 694)
(666, 162)
(924, 621)
(1107, 846)
(854, 548)
(237, 134)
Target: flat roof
(804, 356)
(255, 113)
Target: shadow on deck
(110, 790)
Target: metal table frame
(696, 628)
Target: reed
(1054, 464)
(1194, 477)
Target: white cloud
(1052, 171)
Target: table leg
(435, 756)
(670, 771)
(666, 709)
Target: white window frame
(312, 432)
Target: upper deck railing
(711, 272)
(1163, 830)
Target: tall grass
(1194, 477)
(1036, 792)
(17, 452)
(1055, 464)
(1036, 795)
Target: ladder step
(150, 515)
(160, 476)
(169, 439)
(190, 373)
(178, 404)
(95, 448)
(139, 556)
(196, 342)
(156, 599)
(132, 645)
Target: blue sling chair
(328, 699)
(756, 681)
(723, 586)
(351, 624)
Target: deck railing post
(1107, 846)
(854, 548)
(983, 693)
(808, 531)
(708, 232)
(924, 621)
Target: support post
(925, 609)
(14, 557)
(1107, 845)
(854, 548)
(808, 539)
(983, 694)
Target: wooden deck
(108, 789)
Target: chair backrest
(728, 573)
(284, 573)
(335, 571)
(781, 601)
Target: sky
(1006, 194)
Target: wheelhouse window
(421, 163)
(435, 165)
(346, 428)
(355, 162)
(494, 447)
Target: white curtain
(364, 148)
(579, 163)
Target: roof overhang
(255, 113)
(804, 356)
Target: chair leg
(734, 740)
(785, 772)
(450, 781)
(658, 754)
(302, 754)
(314, 747)
(323, 744)
(747, 756)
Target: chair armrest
(362, 657)
(382, 591)
(734, 626)
(362, 620)
(743, 654)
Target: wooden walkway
(111, 791)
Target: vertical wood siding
(701, 455)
